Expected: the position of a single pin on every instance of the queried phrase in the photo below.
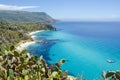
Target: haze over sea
(86, 47)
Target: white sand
(31, 33)
(33, 37)
(24, 45)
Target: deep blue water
(86, 47)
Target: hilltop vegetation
(24, 16)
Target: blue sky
(69, 9)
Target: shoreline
(24, 44)
(31, 33)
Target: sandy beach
(24, 44)
(31, 33)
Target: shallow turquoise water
(86, 46)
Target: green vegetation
(15, 65)
(14, 32)
(23, 16)
(111, 75)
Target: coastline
(24, 44)
(31, 33)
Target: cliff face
(24, 16)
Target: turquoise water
(86, 47)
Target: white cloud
(11, 7)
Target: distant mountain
(24, 16)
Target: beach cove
(24, 44)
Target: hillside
(24, 16)
(14, 32)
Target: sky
(68, 9)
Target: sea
(87, 47)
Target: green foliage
(15, 65)
(111, 75)
(24, 16)
(14, 32)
